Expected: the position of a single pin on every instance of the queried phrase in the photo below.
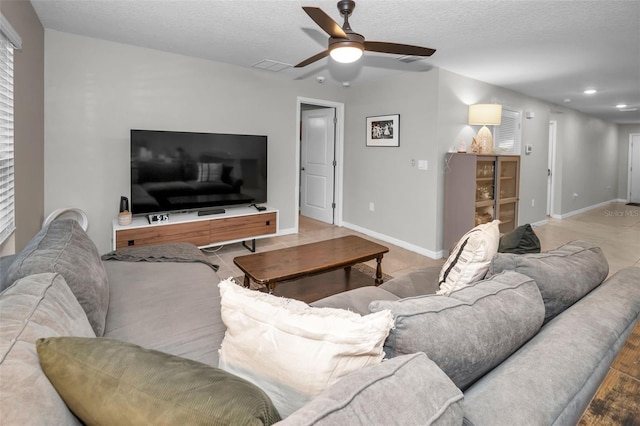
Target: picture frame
(383, 130)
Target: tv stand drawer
(191, 232)
(235, 225)
(235, 228)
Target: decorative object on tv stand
(485, 115)
(383, 130)
(124, 217)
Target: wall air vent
(269, 65)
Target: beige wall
(111, 88)
(403, 196)
(29, 121)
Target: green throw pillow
(520, 241)
(106, 381)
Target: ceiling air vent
(269, 65)
(407, 59)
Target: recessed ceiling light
(566, 100)
(621, 106)
(590, 91)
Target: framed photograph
(383, 130)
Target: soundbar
(210, 211)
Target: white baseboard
(586, 209)
(287, 231)
(391, 240)
(540, 223)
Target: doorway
(319, 154)
(551, 164)
(317, 163)
(633, 195)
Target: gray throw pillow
(564, 275)
(470, 331)
(407, 390)
(106, 382)
(65, 248)
(37, 306)
(520, 241)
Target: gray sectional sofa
(528, 345)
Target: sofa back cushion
(564, 275)
(34, 307)
(470, 331)
(64, 247)
(406, 390)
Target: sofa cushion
(106, 381)
(36, 306)
(415, 283)
(551, 380)
(291, 350)
(564, 275)
(355, 300)
(407, 390)
(520, 241)
(166, 306)
(470, 331)
(64, 247)
(469, 261)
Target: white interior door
(317, 155)
(634, 168)
(551, 166)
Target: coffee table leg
(246, 281)
(379, 270)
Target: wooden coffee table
(272, 267)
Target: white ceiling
(549, 49)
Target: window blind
(7, 215)
(507, 135)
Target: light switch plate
(423, 165)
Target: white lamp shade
(346, 55)
(485, 114)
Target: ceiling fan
(347, 46)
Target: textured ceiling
(549, 49)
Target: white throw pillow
(293, 351)
(470, 259)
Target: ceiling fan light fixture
(346, 54)
(346, 51)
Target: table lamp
(485, 115)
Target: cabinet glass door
(508, 193)
(485, 190)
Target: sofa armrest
(417, 283)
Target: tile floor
(615, 228)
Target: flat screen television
(184, 171)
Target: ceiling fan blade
(400, 49)
(325, 22)
(313, 59)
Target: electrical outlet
(533, 202)
(371, 207)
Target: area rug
(316, 287)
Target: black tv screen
(184, 171)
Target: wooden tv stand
(236, 224)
